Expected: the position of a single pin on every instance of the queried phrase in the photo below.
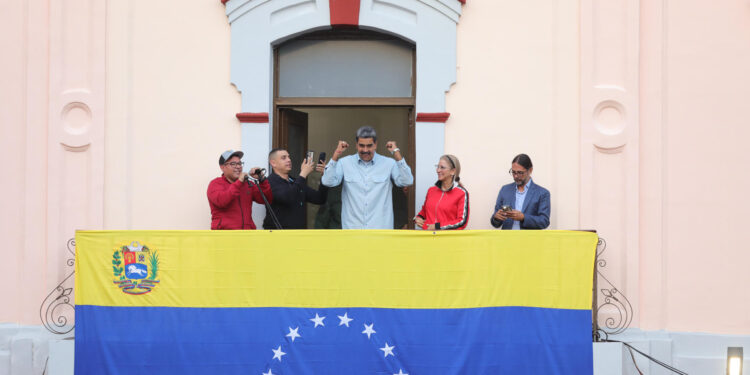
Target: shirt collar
(525, 189)
(440, 185)
(274, 175)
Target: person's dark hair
(273, 151)
(523, 160)
(366, 132)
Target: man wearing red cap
(231, 195)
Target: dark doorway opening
(318, 129)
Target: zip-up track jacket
(446, 209)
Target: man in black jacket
(290, 194)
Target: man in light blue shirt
(366, 197)
(520, 197)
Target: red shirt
(446, 209)
(232, 203)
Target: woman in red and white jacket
(446, 205)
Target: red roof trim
(248, 117)
(433, 117)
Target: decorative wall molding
(609, 135)
(433, 117)
(257, 118)
(654, 146)
(75, 123)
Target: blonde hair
(453, 161)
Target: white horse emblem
(134, 269)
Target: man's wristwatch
(394, 150)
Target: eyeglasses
(516, 173)
(236, 164)
(441, 167)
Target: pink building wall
(694, 88)
(52, 143)
(113, 114)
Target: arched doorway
(258, 27)
(329, 83)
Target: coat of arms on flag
(135, 268)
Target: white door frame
(259, 25)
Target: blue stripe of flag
(495, 340)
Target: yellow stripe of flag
(345, 268)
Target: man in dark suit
(521, 204)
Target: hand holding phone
(321, 163)
(502, 213)
(307, 165)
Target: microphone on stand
(260, 172)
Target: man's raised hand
(342, 146)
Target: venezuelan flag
(333, 302)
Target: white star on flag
(387, 350)
(400, 372)
(271, 373)
(368, 330)
(293, 333)
(318, 320)
(344, 320)
(277, 353)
